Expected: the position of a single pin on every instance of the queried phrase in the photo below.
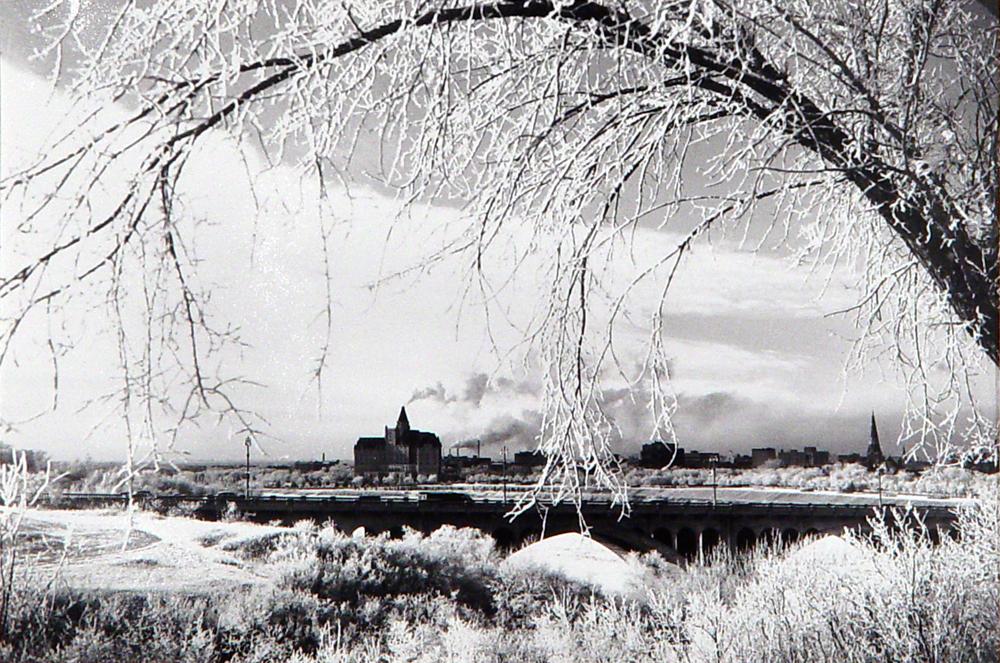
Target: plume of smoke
(517, 432)
(477, 386)
(465, 444)
(434, 392)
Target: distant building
(700, 459)
(528, 459)
(817, 457)
(791, 458)
(660, 454)
(762, 456)
(741, 462)
(454, 466)
(34, 461)
(466, 461)
(808, 457)
(314, 465)
(402, 449)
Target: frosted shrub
(851, 477)
(605, 631)
(288, 618)
(938, 602)
(349, 570)
(231, 513)
(19, 490)
(466, 543)
(182, 509)
(892, 596)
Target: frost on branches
(852, 133)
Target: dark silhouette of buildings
(453, 467)
(34, 461)
(701, 459)
(659, 454)
(526, 460)
(762, 456)
(739, 462)
(402, 449)
(808, 457)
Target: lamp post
(878, 473)
(247, 442)
(715, 485)
(505, 475)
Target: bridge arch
(504, 537)
(687, 542)
(767, 536)
(710, 538)
(664, 536)
(745, 539)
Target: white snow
(581, 559)
(830, 553)
(174, 553)
(822, 569)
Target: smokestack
(478, 450)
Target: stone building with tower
(402, 450)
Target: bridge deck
(696, 495)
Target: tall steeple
(874, 454)
(403, 423)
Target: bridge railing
(439, 499)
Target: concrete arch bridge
(681, 522)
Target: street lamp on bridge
(247, 442)
(715, 484)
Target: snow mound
(830, 549)
(581, 559)
(833, 557)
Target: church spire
(403, 423)
(874, 455)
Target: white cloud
(404, 337)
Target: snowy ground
(110, 549)
(114, 550)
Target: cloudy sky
(756, 358)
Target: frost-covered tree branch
(853, 133)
